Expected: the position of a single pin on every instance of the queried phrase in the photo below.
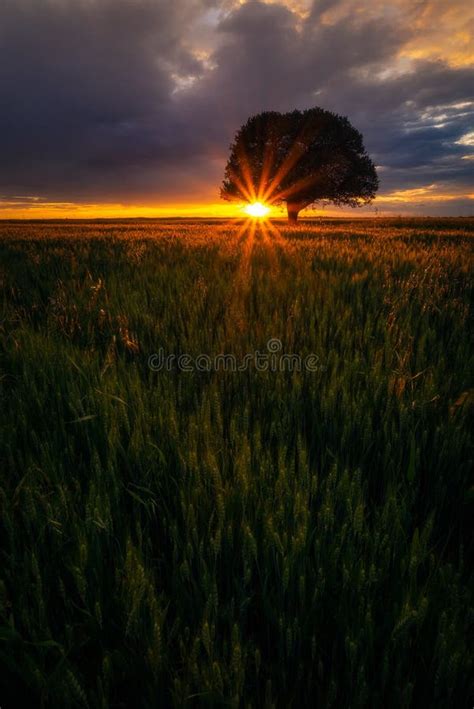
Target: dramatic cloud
(136, 101)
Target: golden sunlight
(256, 209)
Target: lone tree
(299, 158)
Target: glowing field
(253, 538)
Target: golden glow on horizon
(11, 209)
(256, 210)
(38, 208)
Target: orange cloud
(429, 193)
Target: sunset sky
(127, 107)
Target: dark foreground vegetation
(222, 538)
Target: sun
(256, 209)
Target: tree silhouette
(299, 158)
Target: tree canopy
(299, 158)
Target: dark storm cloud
(138, 99)
(412, 123)
(86, 90)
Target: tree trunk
(293, 211)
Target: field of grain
(252, 538)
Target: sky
(128, 107)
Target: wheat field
(257, 537)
